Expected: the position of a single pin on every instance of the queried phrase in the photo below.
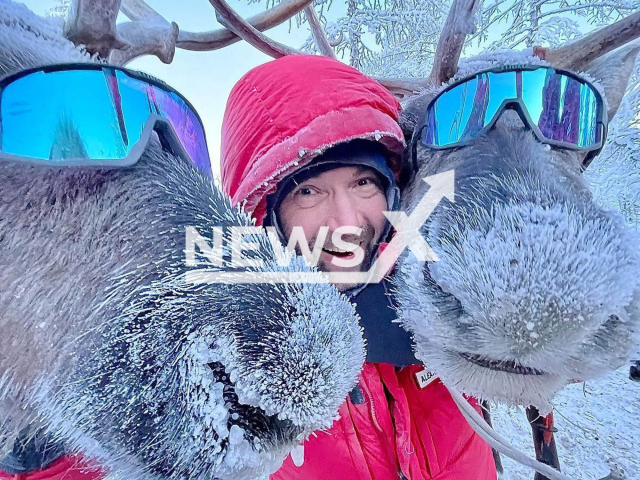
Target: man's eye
(305, 191)
(369, 183)
(307, 197)
(366, 187)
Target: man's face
(345, 196)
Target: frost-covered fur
(536, 284)
(104, 344)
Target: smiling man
(311, 144)
(350, 185)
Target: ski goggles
(94, 115)
(560, 108)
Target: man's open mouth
(500, 365)
(339, 253)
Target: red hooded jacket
(278, 118)
(70, 467)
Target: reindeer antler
(234, 22)
(324, 45)
(460, 22)
(228, 17)
(146, 38)
(216, 39)
(93, 24)
(577, 55)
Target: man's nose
(342, 211)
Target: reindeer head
(106, 346)
(536, 285)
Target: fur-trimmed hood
(284, 113)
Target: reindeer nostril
(513, 262)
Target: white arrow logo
(407, 235)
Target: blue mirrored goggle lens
(90, 114)
(61, 115)
(140, 97)
(563, 109)
(461, 113)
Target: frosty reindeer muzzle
(95, 115)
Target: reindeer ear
(412, 112)
(612, 72)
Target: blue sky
(205, 78)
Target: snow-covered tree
(60, 9)
(615, 174)
(395, 38)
